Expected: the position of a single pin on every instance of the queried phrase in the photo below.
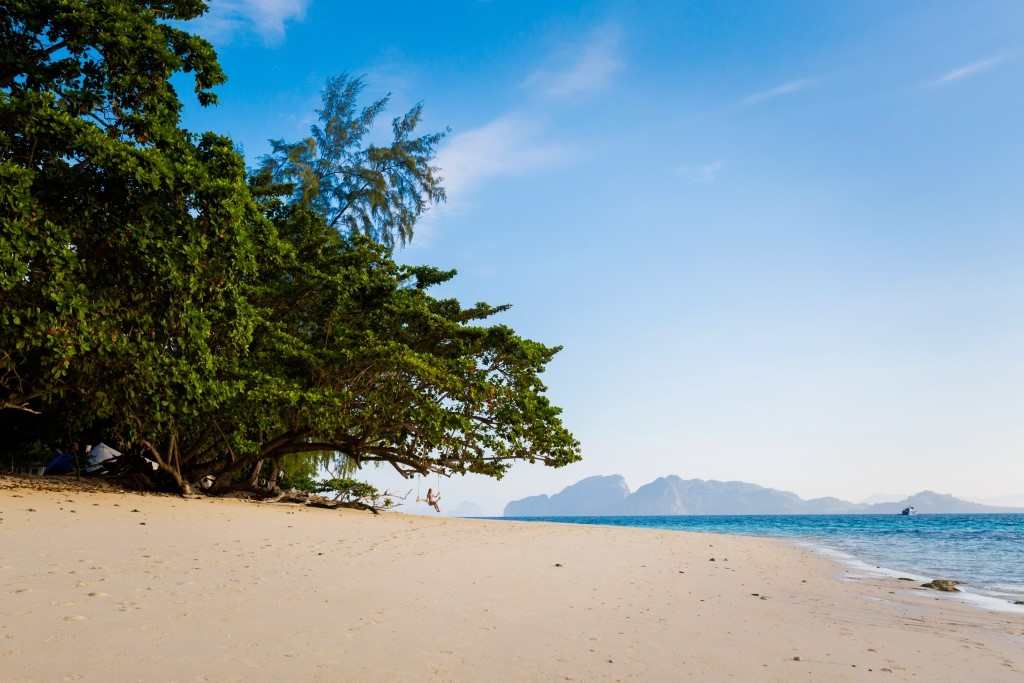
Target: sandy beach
(100, 586)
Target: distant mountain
(673, 495)
(937, 503)
(591, 496)
(676, 496)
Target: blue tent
(62, 463)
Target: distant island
(672, 495)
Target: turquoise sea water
(984, 551)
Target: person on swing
(433, 499)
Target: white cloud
(585, 68)
(702, 173)
(507, 145)
(267, 18)
(969, 70)
(787, 88)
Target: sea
(985, 552)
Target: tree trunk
(275, 470)
(183, 486)
(255, 476)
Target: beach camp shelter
(61, 463)
(99, 454)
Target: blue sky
(781, 242)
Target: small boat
(908, 511)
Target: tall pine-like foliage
(358, 187)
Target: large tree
(126, 242)
(153, 295)
(355, 357)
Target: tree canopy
(127, 243)
(223, 323)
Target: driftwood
(318, 501)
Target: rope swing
(419, 487)
(431, 501)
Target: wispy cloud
(968, 70)
(266, 18)
(507, 145)
(787, 88)
(585, 67)
(702, 173)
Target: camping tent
(98, 455)
(62, 463)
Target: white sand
(195, 590)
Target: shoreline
(972, 590)
(238, 590)
(855, 569)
